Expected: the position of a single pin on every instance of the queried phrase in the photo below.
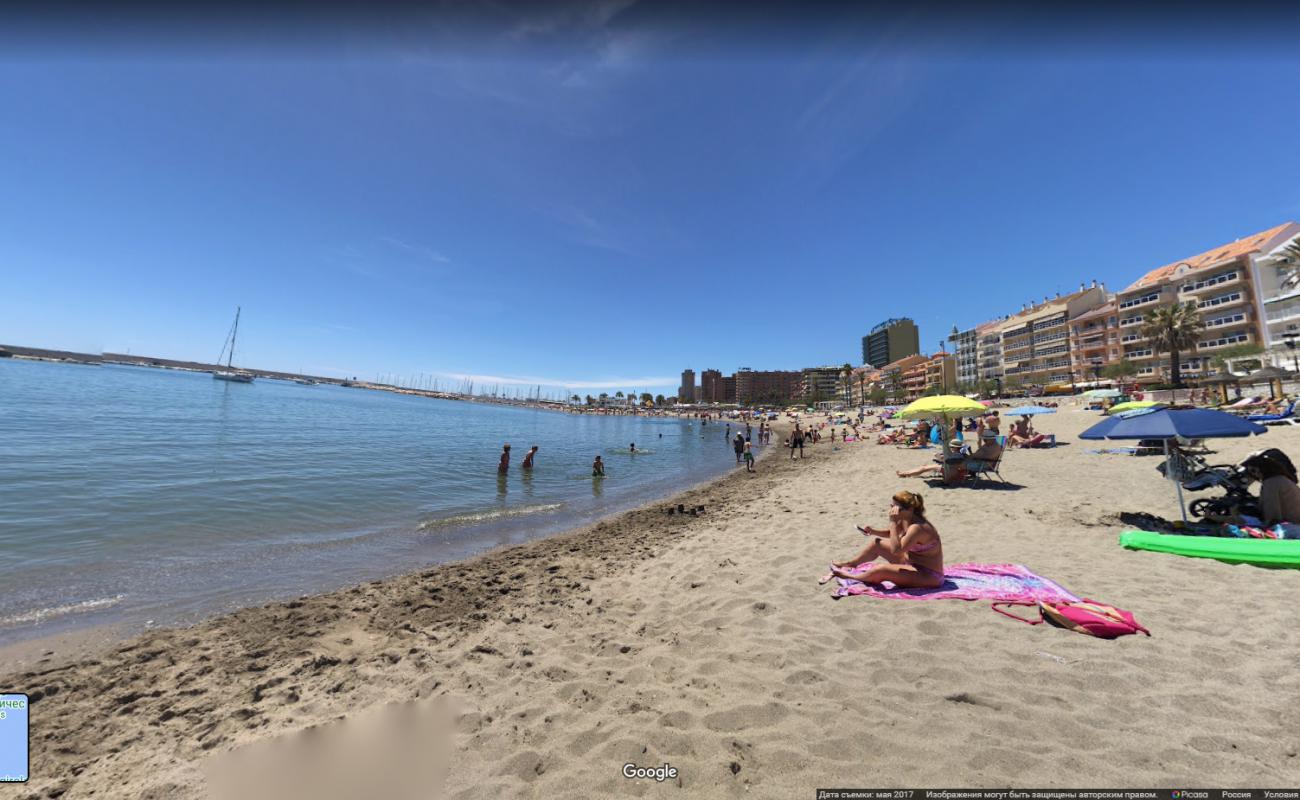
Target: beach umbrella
(1029, 411)
(1166, 424)
(942, 406)
(1269, 375)
(1102, 393)
(1131, 405)
(1222, 380)
(945, 407)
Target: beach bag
(1085, 616)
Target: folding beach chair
(978, 469)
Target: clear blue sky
(601, 196)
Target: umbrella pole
(1169, 470)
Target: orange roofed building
(1223, 282)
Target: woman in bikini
(911, 546)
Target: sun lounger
(1287, 417)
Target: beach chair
(977, 470)
(1287, 417)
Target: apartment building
(1222, 283)
(900, 378)
(1094, 341)
(686, 392)
(822, 383)
(1278, 281)
(1036, 341)
(711, 387)
(966, 346)
(863, 381)
(940, 374)
(776, 387)
(989, 350)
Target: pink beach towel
(1004, 582)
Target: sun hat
(988, 434)
(955, 443)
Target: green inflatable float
(1262, 552)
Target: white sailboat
(230, 373)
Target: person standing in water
(598, 468)
(528, 458)
(504, 466)
(739, 446)
(631, 448)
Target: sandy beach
(706, 643)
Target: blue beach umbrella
(1166, 424)
(1029, 411)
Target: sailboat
(230, 373)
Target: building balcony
(1140, 301)
(1224, 300)
(1283, 312)
(1225, 340)
(1129, 322)
(1220, 281)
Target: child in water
(598, 468)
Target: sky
(596, 196)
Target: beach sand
(707, 644)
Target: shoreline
(97, 677)
(61, 647)
(82, 641)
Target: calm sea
(134, 495)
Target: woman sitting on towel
(910, 545)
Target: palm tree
(1173, 328)
(575, 399)
(659, 400)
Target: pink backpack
(1086, 616)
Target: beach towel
(1003, 582)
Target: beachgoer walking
(796, 442)
(504, 465)
(749, 458)
(528, 458)
(739, 446)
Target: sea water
(136, 495)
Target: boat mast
(231, 358)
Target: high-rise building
(727, 389)
(686, 392)
(711, 387)
(966, 345)
(891, 340)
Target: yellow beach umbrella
(944, 405)
(1130, 405)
